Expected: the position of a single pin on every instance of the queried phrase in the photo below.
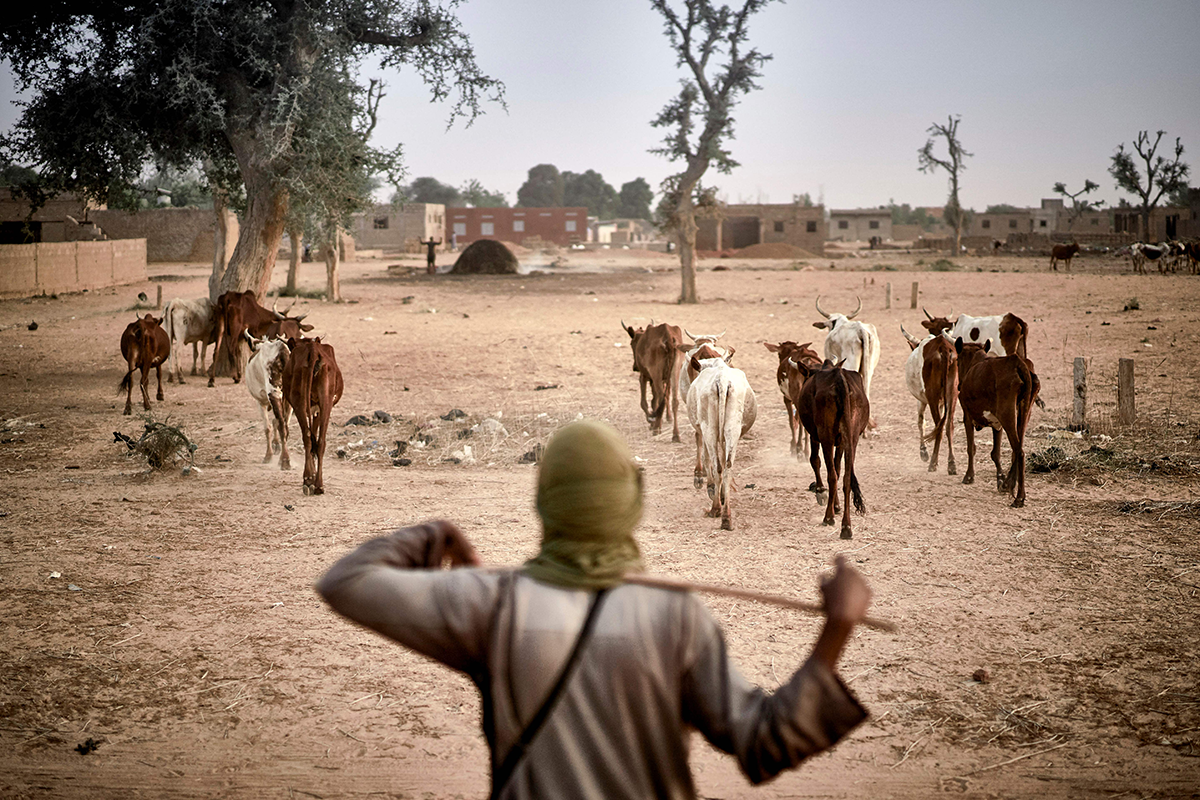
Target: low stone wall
(59, 267)
(171, 234)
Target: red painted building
(563, 226)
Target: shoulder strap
(517, 751)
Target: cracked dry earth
(182, 647)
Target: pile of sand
(485, 257)
(773, 250)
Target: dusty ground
(182, 636)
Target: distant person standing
(454, 243)
(431, 255)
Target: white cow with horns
(722, 407)
(854, 344)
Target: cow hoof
(814, 487)
(698, 482)
(924, 454)
(726, 524)
(828, 521)
(181, 380)
(932, 466)
(128, 411)
(1019, 503)
(307, 490)
(712, 491)
(171, 379)
(968, 479)
(318, 490)
(951, 469)
(847, 533)
(210, 383)
(267, 459)
(712, 513)
(675, 439)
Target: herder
(589, 685)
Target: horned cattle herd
(285, 371)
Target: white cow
(686, 375)
(187, 322)
(977, 330)
(854, 344)
(264, 379)
(722, 407)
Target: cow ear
(729, 358)
(820, 324)
(774, 348)
(306, 327)
(683, 348)
(958, 345)
(292, 343)
(694, 364)
(987, 345)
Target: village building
(400, 227)
(1167, 223)
(740, 226)
(859, 224)
(621, 231)
(562, 226)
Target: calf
(144, 344)
(834, 409)
(656, 360)
(722, 407)
(996, 392)
(264, 379)
(1064, 253)
(789, 380)
(932, 376)
(187, 322)
(856, 344)
(312, 386)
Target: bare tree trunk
(687, 252)
(333, 284)
(220, 232)
(262, 231)
(297, 237)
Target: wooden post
(887, 295)
(916, 291)
(1079, 411)
(1125, 406)
(158, 299)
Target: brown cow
(790, 380)
(656, 359)
(1063, 252)
(238, 313)
(996, 392)
(834, 409)
(144, 344)
(931, 373)
(312, 386)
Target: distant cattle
(855, 345)
(834, 409)
(722, 407)
(1140, 253)
(789, 380)
(238, 313)
(264, 380)
(312, 386)
(656, 359)
(187, 322)
(996, 392)
(931, 373)
(1064, 253)
(144, 344)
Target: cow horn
(908, 335)
(855, 314)
(719, 335)
(927, 314)
(690, 335)
(819, 310)
(302, 316)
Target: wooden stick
(746, 594)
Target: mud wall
(60, 267)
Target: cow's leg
(848, 481)
(698, 473)
(304, 419)
(674, 390)
(938, 417)
(837, 470)
(996, 459)
(319, 445)
(726, 498)
(173, 364)
(948, 429)
(145, 384)
(921, 429)
(645, 408)
(791, 415)
(266, 423)
(969, 427)
(128, 384)
(158, 374)
(241, 355)
(814, 460)
(212, 367)
(831, 475)
(281, 410)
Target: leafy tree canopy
(431, 190)
(544, 188)
(634, 199)
(904, 214)
(1002, 208)
(473, 194)
(591, 190)
(1149, 176)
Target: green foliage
(905, 214)
(16, 175)
(803, 200)
(1184, 197)
(591, 190)
(431, 190)
(1002, 208)
(634, 199)
(543, 189)
(943, 265)
(473, 194)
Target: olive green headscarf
(590, 499)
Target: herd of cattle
(1169, 256)
(979, 363)
(286, 371)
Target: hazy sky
(1046, 91)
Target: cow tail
(1024, 401)
(842, 399)
(306, 379)
(125, 382)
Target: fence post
(916, 291)
(887, 295)
(1079, 410)
(158, 299)
(1126, 411)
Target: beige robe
(654, 668)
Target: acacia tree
(634, 199)
(542, 189)
(709, 41)
(117, 85)
(952, 164)
(1162, 176)
(1079, 206)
